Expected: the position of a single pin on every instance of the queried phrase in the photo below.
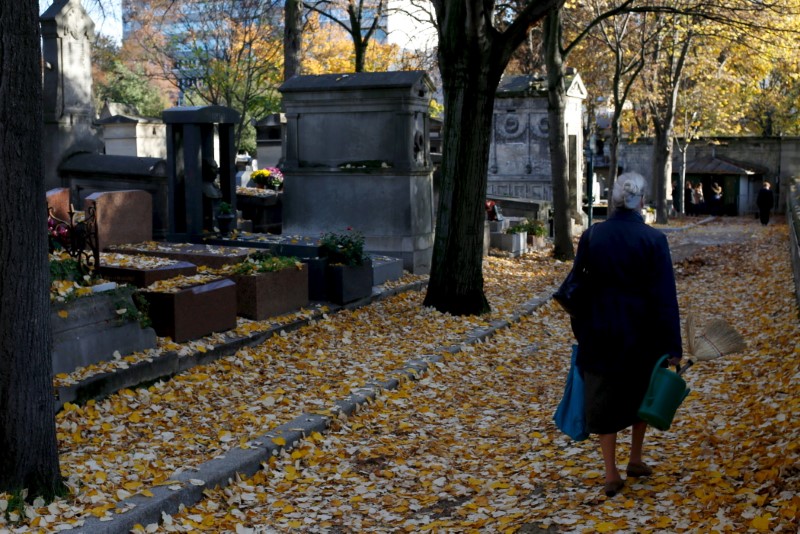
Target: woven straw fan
(716, 340)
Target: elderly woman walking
(631, 321)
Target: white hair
(629, 189)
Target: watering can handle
(683, 369)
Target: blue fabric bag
(570, 417)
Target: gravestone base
(394, 211)
(207, 255)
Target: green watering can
(666, 392)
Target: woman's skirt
(612, 401)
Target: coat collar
(622, 214)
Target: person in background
(699, 199)
(716, 199)
(765, 200)
(688, 198)
(632, 320)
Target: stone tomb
(201, 175)
(58, 200)
(193, 312)
(144, 276)
(357, 155)
(89, 330)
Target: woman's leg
(637, 440)
(608, 445)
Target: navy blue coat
(633, 311)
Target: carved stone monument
(67, 34)
(357, 155)
(519, 157)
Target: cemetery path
(469, 446)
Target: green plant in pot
(348, 275)
(537, 228)
(261, 262)
(345, 248)
(537, 231)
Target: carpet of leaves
(470, 447)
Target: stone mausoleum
(519, 156)
(357, 156)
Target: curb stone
(219, 472)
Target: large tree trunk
(292, 38)
(472, 57)
(29, 457)
(662, 171)
(556, 103)
(456, 278)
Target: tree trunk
(556, 103)
(472, 57)
(292, 38)
(662, 170)
(29, 457)
(359, 41)
(613, 154)
(456, 277)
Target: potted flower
(268, 285)
(268, 178)
(225, 217)
(348, 274)
(516, 238)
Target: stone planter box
(263, 295)
(193, 312)
(89, 330)
(142, 277)
(347, 284)
(266, 213)
(513, 243)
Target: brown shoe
(614, 487)
(639, 470)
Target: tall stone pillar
(68, 111)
